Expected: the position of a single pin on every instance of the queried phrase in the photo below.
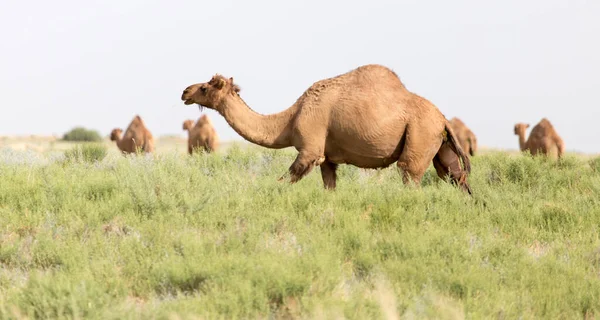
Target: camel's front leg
(328, 174)
(303, 164)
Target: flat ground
(216, 236)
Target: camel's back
(375, 94)
(542, 130)
(369, 90)
(138, 133)
(457, 124)
(366, 109)
(204, 134)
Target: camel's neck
(120, 142)
(271, 131)
(522, 141)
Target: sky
(97, 64)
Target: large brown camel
(137, 137)
(365, 117)
(543, 139)
(201, 136)
(464, 135)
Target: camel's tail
(455, 146)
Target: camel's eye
(203, 89)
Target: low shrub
(80, 134)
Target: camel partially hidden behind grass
(464, 135)
(202, 136)
(543, 139)
(137, 137)
(365, 117)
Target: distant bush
(86, 153)
(82, 134)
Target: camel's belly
(365, 158)
(364, 162)
(365, 149)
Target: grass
(86, 152)
(216, 236)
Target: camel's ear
(220, 84)
(234, 87)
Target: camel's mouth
(187, 102)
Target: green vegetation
(86, 153)
(216, 236)
(80, 134)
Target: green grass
(89, 152)
(216, 236)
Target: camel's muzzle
(186, 96)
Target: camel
(466, 137)
(543, 139)
(365, 117)
(136, 138)
(201, 136)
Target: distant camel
(543, 139)
(201, 136)
(137, 137)
(466, 137)
(365, 117)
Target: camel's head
(115, 134)
(188, 124)
(521, 128)
(210, 94)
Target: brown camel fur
(201, 136)
(464, 135)
(543, 139)
(365, 117)
(137, 137)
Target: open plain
(174, 236)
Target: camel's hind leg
(328, 174)
(447, 163)
(303, 164)
(418, 150)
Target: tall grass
(215, 235)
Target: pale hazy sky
(98, 63)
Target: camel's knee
(303, 164)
